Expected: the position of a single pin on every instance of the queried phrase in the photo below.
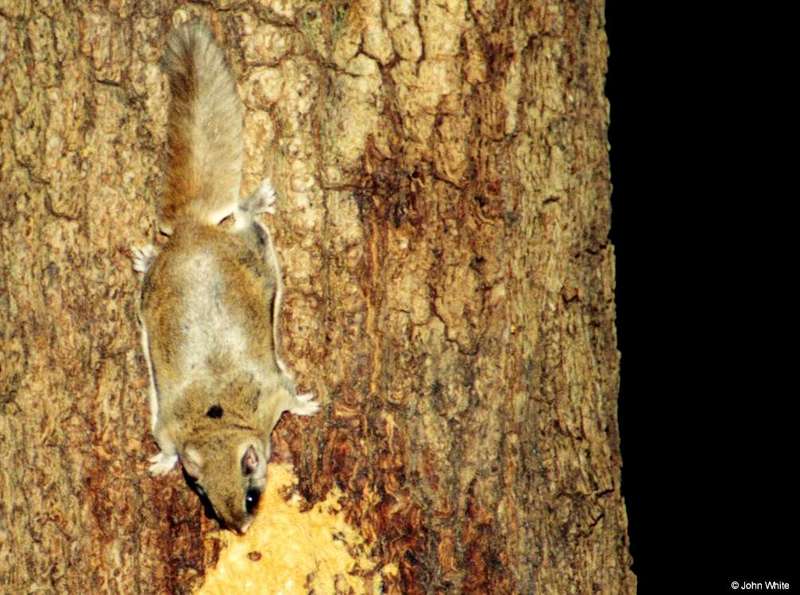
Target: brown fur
(211, 298)
(204, 134)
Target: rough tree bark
(444, 181)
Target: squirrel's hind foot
(262, 200)
(305, 404)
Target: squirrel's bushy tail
(204, 141)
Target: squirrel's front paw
(305, 404)
(143, 257)
(162, 463)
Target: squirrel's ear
(249, 461)
(192, 462)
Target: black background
(704, 238)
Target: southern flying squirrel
(211, 297)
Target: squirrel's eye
(251, 499)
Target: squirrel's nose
(242, 529)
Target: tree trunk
(443, 228)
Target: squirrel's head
(229, 470)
